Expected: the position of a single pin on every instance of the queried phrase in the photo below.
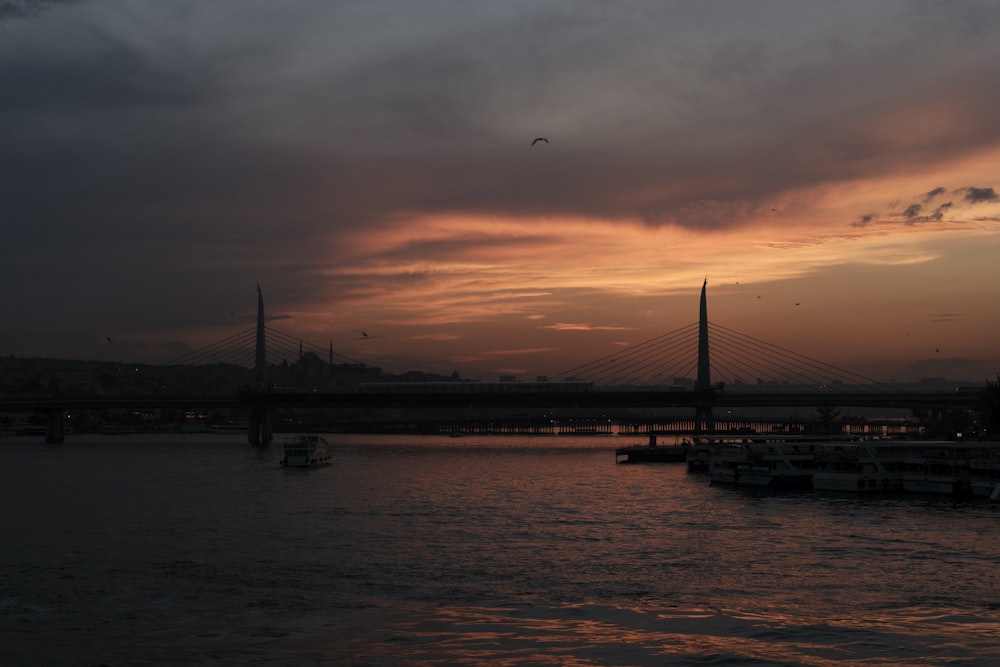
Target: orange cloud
(565, 326)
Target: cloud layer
(370, 164)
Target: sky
(371, 166)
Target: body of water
(408, 550)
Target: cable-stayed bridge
(678, 369)
(736, 360)
(239, 349)
(638, 378)
(671, 360)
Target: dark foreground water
(436, 551)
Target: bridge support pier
(54, 431)
(703, 421)
(259, 433)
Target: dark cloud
(864, 220)
(940, 210)
(200, 145)
(23, 8)
(424, 123)
(113, 81)
(933, 193)
(915, 212)
(980, 195)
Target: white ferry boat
(766, 460)
(941, 469)
(726, 463)
(779, 466)
(306, 451)
(984, 473)
(859, 467)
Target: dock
(953, 468)
(653, 453)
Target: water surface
(177, 550)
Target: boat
(699, 457)
(762, 460)
(774, 460)
(306, 451)
(778, 466)
(727, 462)
(984, 473)
(943, 470)
(859, 468)
(653, 453)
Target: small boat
(306, 451)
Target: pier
(953, 468)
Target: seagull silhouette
(365, 336)
(539, 139)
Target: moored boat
(779, 466)
(984, 473)
(859, 467)
(941, 470)
(699, 458)
(306, 451)
(727, 462)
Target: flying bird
(108, 339)
(365, 336)
(539, 139)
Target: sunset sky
(370, 165)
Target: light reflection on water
(530, 551)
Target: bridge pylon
(55, 431)
(703, 384)
(259, 432)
